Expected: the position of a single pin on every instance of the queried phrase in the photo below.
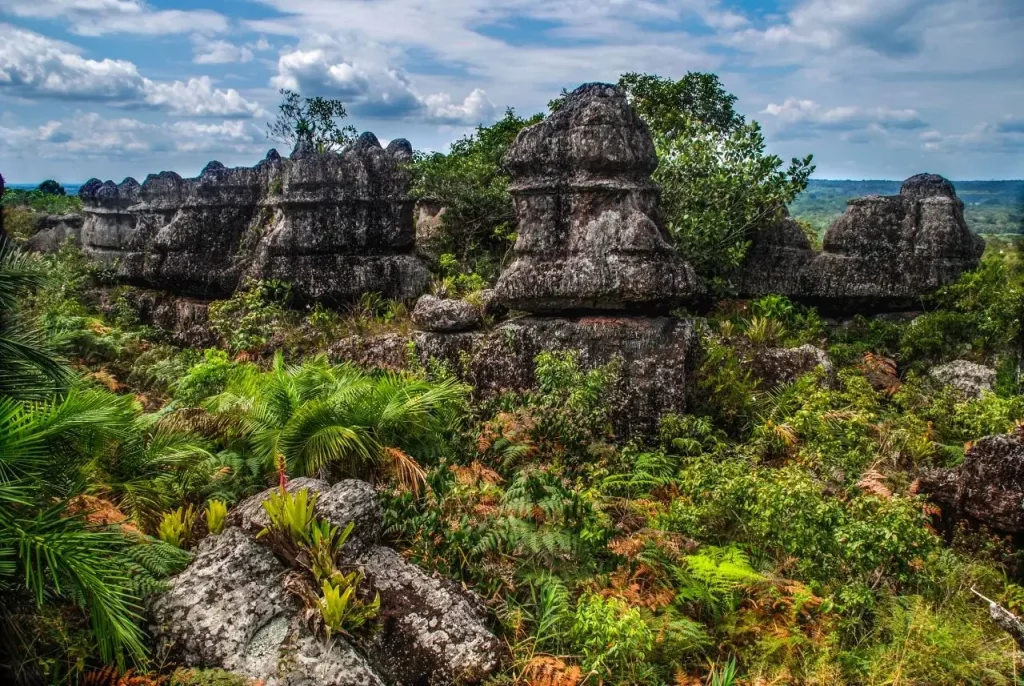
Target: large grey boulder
(430, 631)
(590, 233)
(445, 314)
(347, 501)
(988, 488)
(229, 609)
(883, 253)
(431, 634)
(970, 378)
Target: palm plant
(45, 550)
(337, 420)
(28, 367)
(154, 465)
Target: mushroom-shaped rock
(445, 314)
(590, 235)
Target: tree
(718, 184)
(314, 120)
(472, 186)
(50, 187)
(667, 106)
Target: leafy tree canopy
(470, 183)
(51, 187)
(719, 185)
(315, 120)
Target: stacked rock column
(593, 266)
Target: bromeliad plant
(314, 544)
(216, 514)
(176, 527)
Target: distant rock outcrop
(884, 253)
(333, 225)
(54, 230)
(590, 233)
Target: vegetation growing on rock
(775, 532)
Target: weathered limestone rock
(655, 358)
(988, 488)
(884, 253)
(343, 225)
(969, 378)
(333, 225)
(179, 235)
(445, 314)
(53, 230)
(384, 351)
(186, 320)
(229, 609)
(590, 233)
(431, 631)
(779, 366)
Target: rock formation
(593, 265)
(988, 488)
(969, 378)
(333, 225)
(230, 608)
(590, 233)
(445, 314)
(53, 230)
(775, 367)
(884, 253)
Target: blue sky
(874, 88)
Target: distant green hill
(990, 206)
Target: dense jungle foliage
(770, 536)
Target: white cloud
(102, 17)
(33, 66)
(198, 98)
(206, 51)
(1005, 137)
(474, 109)
(808, 114)
(369, 86)
(93, 135)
